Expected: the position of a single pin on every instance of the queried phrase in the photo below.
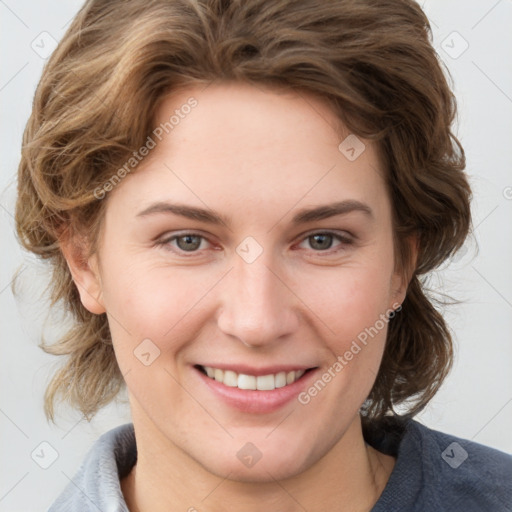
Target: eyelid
(344, 237)
(165, 241)
(341, 233)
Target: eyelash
(344, 241)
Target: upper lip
(251, 370)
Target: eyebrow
(190, 212)
(303, 216)
(330, 210)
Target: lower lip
(248, 400)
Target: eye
(185, 242)
(323, 241)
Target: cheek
(353, 303)
(351, 299)
(147, 301)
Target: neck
(351, 476)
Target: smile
(261, 382)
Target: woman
(240, 201)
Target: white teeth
(280, 380)
(261, 382)
(246, 381)
(265, 382)
(230, 379)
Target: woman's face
(250, 246)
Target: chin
(261, 472)
(244, 462)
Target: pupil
(191, 242)
(321, 241)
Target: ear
(85, 273)
(402, 276)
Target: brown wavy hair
(373, 62)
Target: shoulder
(468, 473)
(96, 485)
(439, 471)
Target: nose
(257, 308)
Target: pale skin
(256, 157)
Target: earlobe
(85, 274)
(399, 287)
(404, 275)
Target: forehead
(251, 116)
(253, 148)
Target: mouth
(255, 390)
(247, 381)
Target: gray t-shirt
(434, 472)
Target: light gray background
(476, 400)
